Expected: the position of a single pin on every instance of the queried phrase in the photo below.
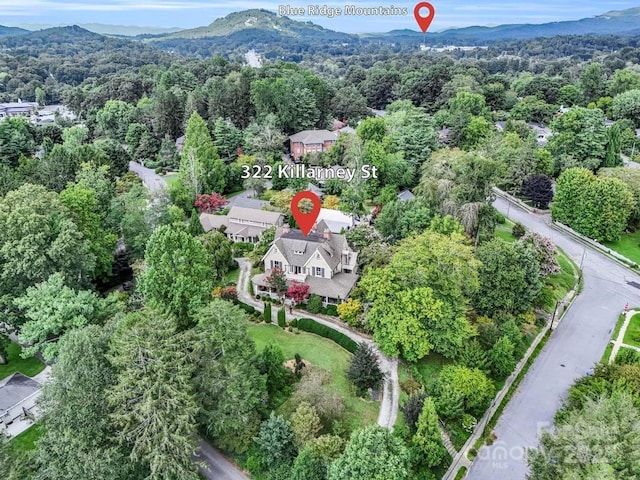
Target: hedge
(282, 322)
(311, 326)
(249, 309)
(267, 312)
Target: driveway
(391, 391)
(572, 350)
(150, 178)
(216, 466)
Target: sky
(194, 13)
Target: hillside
(4, 31)
(619, 22)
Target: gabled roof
(309, 137)
(14, 389)
(253, 215)
(335, 219)
(405, 195)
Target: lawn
(430, 366)
(503, 231)
(28, 366)
(231, 278)
(632, 335)
(557, 286)
(26, 440)
(170, 179)
(325, 354)
(628, 245)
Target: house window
(297, 270)
(318, 272)
(276, 264)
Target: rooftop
(313, 136)
(14, 389)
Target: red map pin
(305, 220)
(424, 22)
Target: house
(17, 108)
(444, 134)
(336, 221)
(500, 126)
(542, 133)
(311, 141)
(242, 224)
(180, 143)
(347, 129)
(322, 260)
(405, 196)
(315, 190)
(18, 394)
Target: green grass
(27, 366)
(628, 245)
(231, 278)
(325, 354)
(171, 179)
(461, 473)
(504, 232)
(557, 286)
(26, 440)
(607, 353)
(430, 366)
(616, 331)
(632, 335)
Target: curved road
(572, 350)
(391, 391)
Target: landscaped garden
(628, 245)
(632, 334)
(327, 355)
(27, 366)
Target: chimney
(286, 228)
(326, 234)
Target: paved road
(572, 350)
(150, 178)
(216, 466)
(391, 392)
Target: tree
(305, 424)
(579, 139)
(227, 138)
(469, 385)
(51, 309)
(298, 292)
(79, 440)
(427, 440)
(545, 253)
(372, 453)
(349, 104)
(230, 390)
(501, 357)
(418, 302)
(275, 442)
(331, 202)
(152, 378)
(114, 118)
(571, 188)
(178, 274)
(509, 278)
(277, 281)
(82, 203)
(312, 389)
(210, 203)
(34, 223)
(308, 466)
(412, 408)
(220, 250)
(592, 83)
(364, 369)
(4, 345)
(614, 147)
(538, 189)
(627, 105)
(372, 130)
(600, 441)
(398, 220)
(270, 363)
(623, 81)
(16, 139)
(349, 311)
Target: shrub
(247, 308)
(267, 312)
(281, 318)
(518, 230)
(500, 218)
(341, 339)
(294, 323)
(331, 310)
(314, 304)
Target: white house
(323, 260)
(336, 221)
(18, 394)
(242, 224)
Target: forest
(119, 287)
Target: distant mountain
(620, 22)
(12, 31)
(104, 29)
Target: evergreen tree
(364, 370)
(427, 439)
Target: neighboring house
(444, 135)
(180, 143)
(347, 129)
(311, 141)
(242, 224)
(500, 126)
(315, 190)
(336, 221)
(322, 260)
(405, 195)
(18, 394)
(542, 133)
(17, 108)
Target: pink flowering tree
(545, 252)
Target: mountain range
(257, 28)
